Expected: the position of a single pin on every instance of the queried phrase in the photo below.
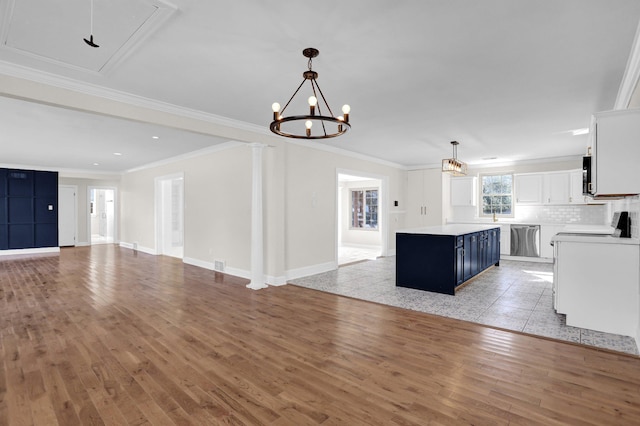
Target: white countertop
(587, 229)
(449, 229)
(594, 239)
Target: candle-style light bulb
(313, 101)
(340, 118)
(308, 125)
(276, 110)
(346, 109)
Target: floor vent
(218, 265)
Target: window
(364, 208)
(497, 195)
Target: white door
(170, 215)
(67, 209)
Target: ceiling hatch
(53, 31)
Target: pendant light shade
(453, 165)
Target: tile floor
(515, 296)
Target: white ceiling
(507, 78)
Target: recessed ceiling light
(489, 158)
(155, 137)
(96, 164)
(578, 132)
(117, 153)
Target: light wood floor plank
(105, 335)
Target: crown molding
(66, 173)
(631, 76)
(476, 166)
(42, 77)
(209, 150)
(347, 153)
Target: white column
(257, 231)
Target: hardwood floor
(104, 335)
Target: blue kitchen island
(442, 258)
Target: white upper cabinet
(575, 190)
(616, 150)
(556, 188)
(528, 188)
(464, 191)
(551, 188)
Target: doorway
(361, 221)
(67, 220)
(102, 213)
(170, 215)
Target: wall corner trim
(305, 271)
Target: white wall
(311, 200)
(299, 193)
(217, 214)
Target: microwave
(587, 186)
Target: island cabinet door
(483, 254)
(494, 246)
(459, 260)
(471, 249)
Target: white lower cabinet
(596, 284)
(505, 240)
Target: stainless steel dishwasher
(525, 240)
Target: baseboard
(143, 249)
(292, 274)
(30, 251)
(211, 266)
(527, 259)
(83, 244)
(276, 281)
(268, 279)
(362, 246)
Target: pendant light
(453, 165)
(90, 41)
(326, 126)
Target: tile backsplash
(579, 214)
(592, 214)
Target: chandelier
(453, 165)
(326, 126)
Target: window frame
(481, 195)
(364, 191)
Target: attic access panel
(53, 31)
